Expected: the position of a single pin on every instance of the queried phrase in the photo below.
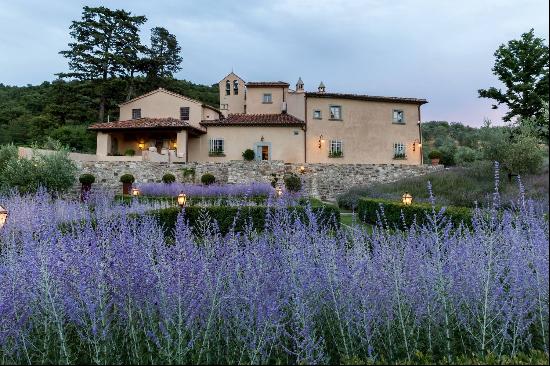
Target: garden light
(135, 192)
(278, 192)
(302, 169)
(407, 199)
(141, 145)
(3, 216)
(182, 199)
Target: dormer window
(136, 113)
(235, 87)
(227, 87)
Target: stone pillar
(181, 144)
(103, 144)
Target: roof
(267, 83)
(162, 90)
(372, 98)
(145, 123)
(273, 120)
(231, 73)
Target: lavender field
(120, 291)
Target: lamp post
(407, 199)
(135, 192)
(3, 216)
(182, 199)
(302, 169)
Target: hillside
(62, 110)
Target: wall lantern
(3, 216)
(262, 139)
(135, 192)
(141, 145)
(302, 169)
(175, 145)
(278, 192)
(416, 143)
(407, 199)
(321, 140)
(182, 199)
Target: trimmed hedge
(193, 200)
(327, 216)
(368, 209)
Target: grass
(457, 186)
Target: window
(335, 149)
(216, 147)
(136, 113)
(335, 112)
(235, 87)
(184, 113)
(398, 116)
(224, 106)
(227, 87)
(399, 151)
(317, 114)
(267, 98)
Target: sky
(435, 49)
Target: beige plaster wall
(235, 102)
(296, 104)
(366, 130)
(285, 145)
(254, 100)
(162, 105)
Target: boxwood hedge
(368, 209)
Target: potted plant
(86, 180)
(207, 179)
(130, 152)
(127, 180)
(248, 155)
(435, 156)
(168, 178)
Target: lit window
(399, 150)
(216, 146)
(235, 87)
(227, 87)
(136, 113)
(335, 149)
(398, 116)
(317, 114)
(335, 112)
(267, 98)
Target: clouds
(439, 50)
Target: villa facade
(276, 122)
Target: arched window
(235, 87)
(227, 87)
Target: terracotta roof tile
(144, 123)
(267, 83)
(282, 119)
(372, 98)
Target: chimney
(321, 88)
(300, 85)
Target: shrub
(523, 156)
(86, 178)
(249, 155)
(434, 154)
(466, 154)
(130, 152)
(369, 208)
(168, 178)
(7, 152)
(127, 178)
(208, 179)
(293, 183)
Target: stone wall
(324, 181)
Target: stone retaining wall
(324, 181)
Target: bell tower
(299, 86)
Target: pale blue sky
(438, 50)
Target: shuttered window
(184, 113)
(136, 113)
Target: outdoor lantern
(175, 145)
(302, 169)
(278, 192)
(321, 140)
(407, 199)
(135, 192)
(141, 145)
(3, 216)
(182, 199)
(416, 143)
(262, 139)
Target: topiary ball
(249, 155)
(168, 178)
(127, 178)
(293, 183)
(208, 179)
(86, 178)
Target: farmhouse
(276, 122)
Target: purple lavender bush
(295, 293)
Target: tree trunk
(102, 104)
